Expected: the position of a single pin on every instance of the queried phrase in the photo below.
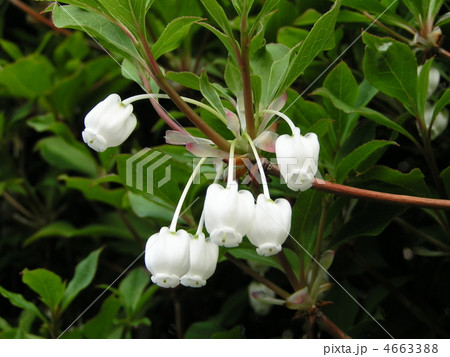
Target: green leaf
(66, 156)
(173, 35)
(305, 222)
(370, 220)
(28, 77)
(100, 326)
(218, 14)
(226, 41)
(366, 112)
(290, 36)
(233, 78)
(46, 284)
(319, 38)
(422, 89)
(84, 273)
(131, 289)
(211, 95)
(341, 83)
(112, 197)
(187, 79)
(358, 156)
(66, 230)
(19, 301)
(412, 182)
(391, 67)
(203, 329)
(250, 254)
(365, 5)
(11, 49)
(130, 13)
(97, 26)
(150, 206)
(442, 103)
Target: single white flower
(261, 298)
(108, 124)
(203, 261)
(271, 225)
(228, 213)
(167, 256)
(297, 158)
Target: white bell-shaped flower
(203, 261)
(167, 256)
(297, 158)
(228, 213)
(108, 124)
(271, 225)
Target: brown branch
(38, 17)
(325, 186)
(246, 269)
(330, 187)
(326, 324)
(295, 283)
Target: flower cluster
(176, 256)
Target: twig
(326, 324)
(283, 293)
(325, 186)
(38, 17)
(295, 283)
(330, 187)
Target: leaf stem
(326, 324)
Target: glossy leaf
(131, 289)
(97, 26)
(46, 284)
(391, 67)
(84, 273)
(19, 301)
(366, 112)
(358, 156)
(100, 326)
(173, 34)
(319, 38)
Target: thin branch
(327, 325)
(38, 17)
(385, 28)
(325, 186)
(293, 280)
(246, 269)
(330, 187)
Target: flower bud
(271, 225)
(108, 124)
(260, 298)
(228, 213)
(167, 256)
(297, 158)
(203, 261)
